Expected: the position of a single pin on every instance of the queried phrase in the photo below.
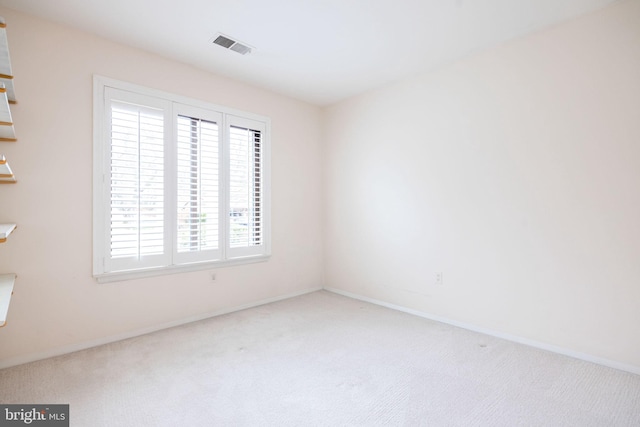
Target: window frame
(102, 269)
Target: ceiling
(319, 51)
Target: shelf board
(6, 289)
(5, 230)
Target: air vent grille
(234, 45)
(224, 42)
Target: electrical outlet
(439, 278)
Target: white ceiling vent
(229, 43)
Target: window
(179, 184)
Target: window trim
(101, 192)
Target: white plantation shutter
(198, 184)
(179, 184)
(136, 183)
(246, 187)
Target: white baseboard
(59, 351)
(520, 340)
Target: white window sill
(175, 269)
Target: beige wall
(516, 173)
(57, 304)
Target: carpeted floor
(324, 359)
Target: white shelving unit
(6, 290)
(7, 131)
(7, 134)
(6, 74)
(6, 174)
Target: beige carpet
(324, 359)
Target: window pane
(137, 181)
(198, 201)
(245, 188)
